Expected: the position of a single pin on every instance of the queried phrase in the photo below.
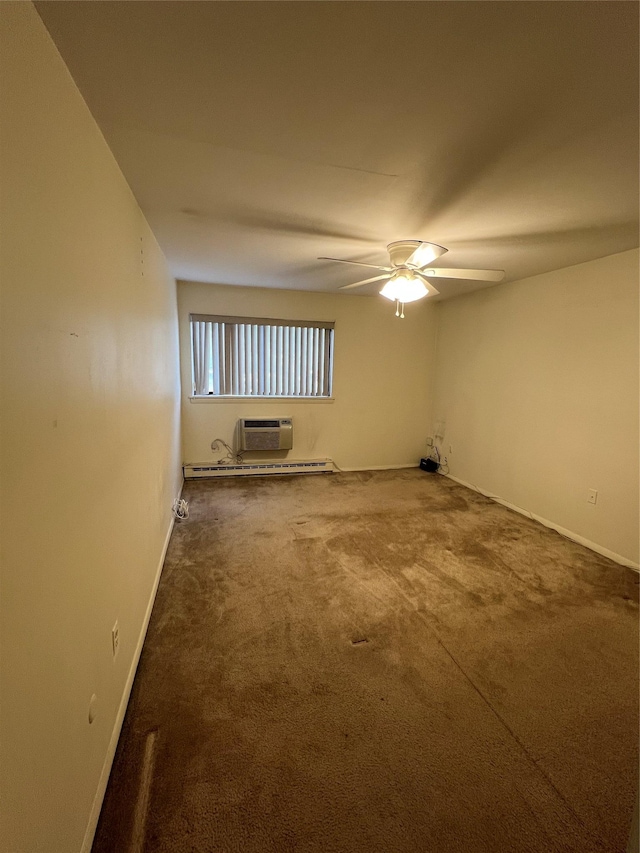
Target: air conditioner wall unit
(265, 434)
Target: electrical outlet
(115, 639)
(592, 496)
(429, 441)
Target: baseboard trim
(568, 534)
(96, 807)
(381, 467)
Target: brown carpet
(377, 662)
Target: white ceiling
(257, 136)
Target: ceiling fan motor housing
(401, 251)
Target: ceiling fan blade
(366, 281)
(424, 254)
(358, 264)
(432, 291)
(472, 275)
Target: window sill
(272, 400)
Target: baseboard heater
(244, 469)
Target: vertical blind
(250, 357)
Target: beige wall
(537, 384)
(90, 440)
(381, 381)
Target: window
(251, 357)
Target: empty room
(319, 457)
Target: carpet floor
(381, 661)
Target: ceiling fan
(409, 269)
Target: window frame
(233, 320)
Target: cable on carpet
(180, 509)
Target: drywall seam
(115, 735)
(569, 534)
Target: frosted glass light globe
(404, 288)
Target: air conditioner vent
(265, 434)
(249, 424)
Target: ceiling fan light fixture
(404, 288)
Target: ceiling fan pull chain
(397, 308)
(402, 310)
